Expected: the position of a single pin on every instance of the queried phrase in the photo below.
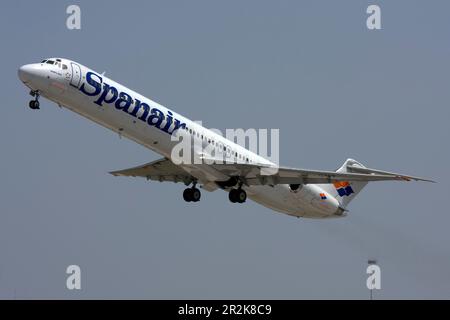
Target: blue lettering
(137, 103)
(178, 125)
(169, 120)
(156, 118)
(123, 102)
(145, 111)
(96, 84)
(106, 89)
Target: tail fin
(344, 192)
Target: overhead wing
(159, 170)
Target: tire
(34, 104)
(232, 196)
(195, 195)
(187, 195)
(241, 195)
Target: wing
(262, 175)
(254, 174)
(159, 170)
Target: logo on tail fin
(343, 188)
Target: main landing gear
(34, 104)
(237, 195)
(192, 194)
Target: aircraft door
(76, 75)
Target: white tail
(344, 192)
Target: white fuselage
(148, 123)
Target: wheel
(34, 104)
(237, 195)
(191, 195)
(232, 196)
(195, 195)
(187, 195)
(241, 195)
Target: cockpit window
(50, 62)
(64, 67)
(59, 60)
(43, 61)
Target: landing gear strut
(237, 195)
(192, 194)
(34, 104)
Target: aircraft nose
(27, 72)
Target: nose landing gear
(34, 104)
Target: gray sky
(311, 68)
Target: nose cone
(29, 72)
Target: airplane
(297, 192)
